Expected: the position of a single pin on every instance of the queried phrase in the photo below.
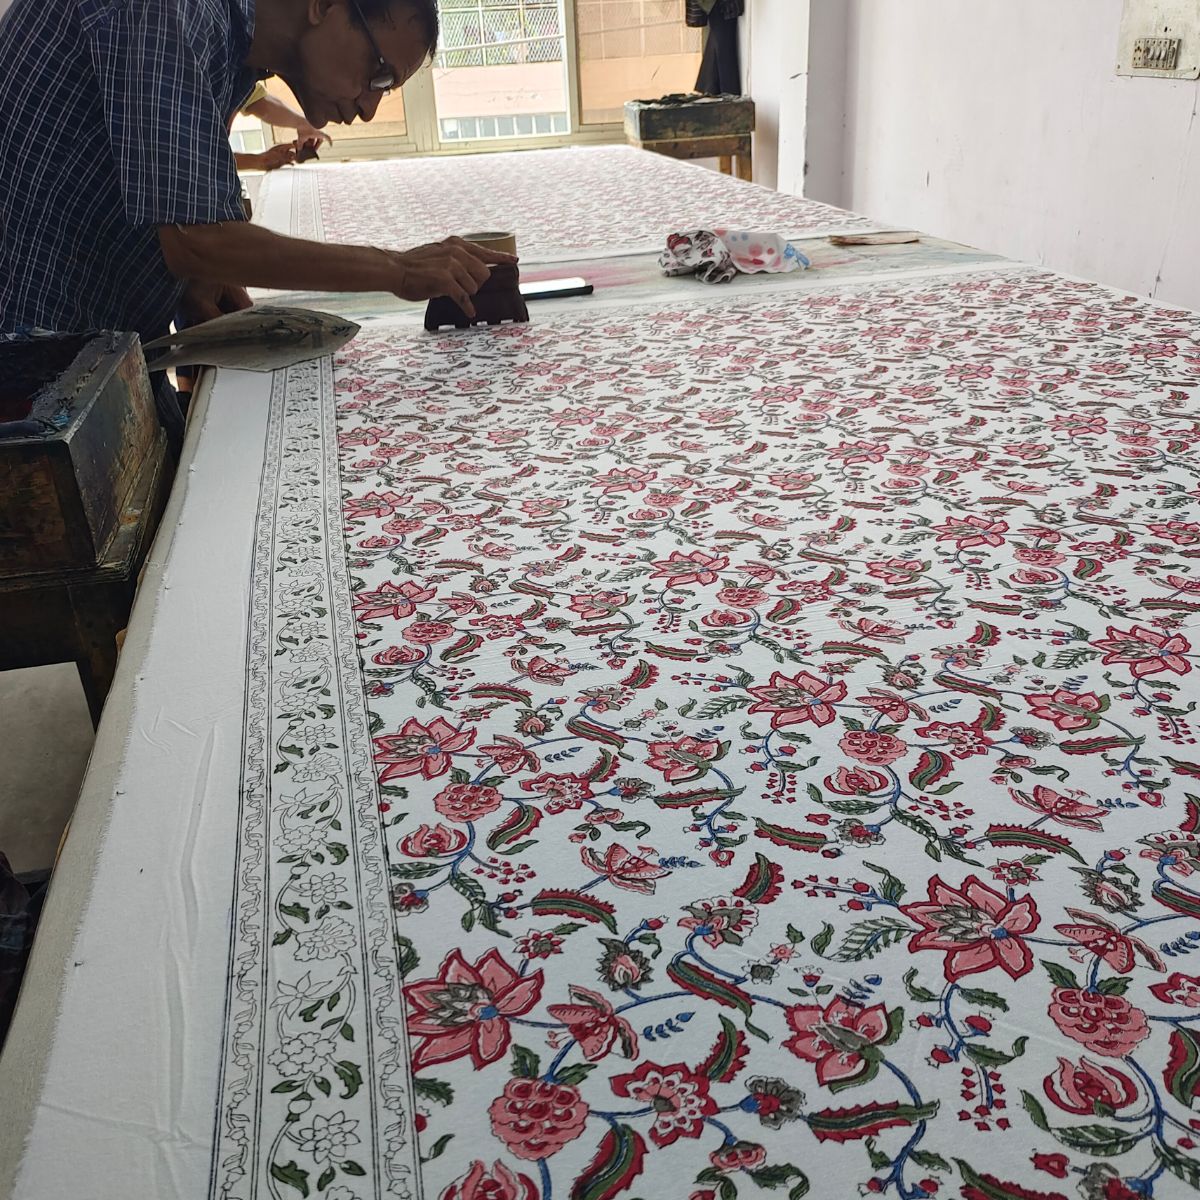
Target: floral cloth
(716, 256)
(782, 777)
(597, 201)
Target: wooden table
(719, 127)
(76, 615)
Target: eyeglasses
(384, 77)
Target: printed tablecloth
(724, 750)
(597, 202)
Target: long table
(709, 743)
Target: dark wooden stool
(84, 477)
(695, 126)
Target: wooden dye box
(77, 423)
(694, 117)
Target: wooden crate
(77, 423)
(703, 117)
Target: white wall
(1001, 123)
(774, 47)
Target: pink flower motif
(725, 618)
(595, 606)
(1068, 711)
(374, 504)
(425, 633)
(684, 759)
(721, 919)
(595, 1025)
(420, 749)
(976, 927)
(391, 600)
(742, 597)
(624, 869)
(464, 1010)
(859, 452)
(677, 1095)
(967, 532)
(1082, 1087)
(854, 781)
(1066, 810)
(510, 755)
(397, 656)
(542, 670)
(628, 479)
(1107, 1025)
(1147, 651)
(1101, 937)
(834, 1037)
(496, 1183)
(741, 1156)
(697, 567)
(874, 749)
(964, 740)
(792, 700)
(561, 792)
(466, 801)
(1178, 989)
(535, 1118)
(896, 570)
(433, 841)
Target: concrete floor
(45, 740)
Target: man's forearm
(240, 253)
(276, 112)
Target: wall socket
(1160, 39)
(1156, 54)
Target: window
(513, 73)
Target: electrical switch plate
(1160, 39)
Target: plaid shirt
(113, 120)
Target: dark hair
(426, 11)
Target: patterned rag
(717, 255)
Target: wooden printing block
(77, 422)
(497, 301)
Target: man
(119, 198)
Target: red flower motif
(432, 841)
(1006, 1188)
(965, 740)
(678, 1096)
(1067, 710)
(976, 927)
(374, 504)
(725, 618)
(420, 749)
(561, 792)
(395, 656)
(1100, 936)
(1052, 1164)
(740, 1156)
(542, 670)
(1107, 1025)
(1147, 651)
(875, 749)
(792, 700)
(967, 532)
(425, 633)
(535, 1118)
(594, 606)
(494, 1183)
(853, 781)
(594, 1024)
(896, 570)
(1064, 809)
(684, 759)
(697, 567)
(1182, 533)
(741, 597)
(464, 1010)
(1082, 1087)
(834, 1037)
(1178, 989)
(391, 600)
(467, 801)
(510, 756)
(624, 869)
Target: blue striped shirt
(113, 120)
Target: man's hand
(451, 268)
(280, 155)
(204, 301)
(310, 133)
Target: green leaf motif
(869, 938)
(438, 1148)
(915, 990)
(327, 1177)
(891, 888)
(820, 942)
(986, 1056)
(352, 1168)
(292, 1175)
(1182, 1167)
(350, 1076)
(525, 1064)
(574, 1075)
(1060, 976)
(1105, 1141)
(775, 1176)
(1037, 1114)
(433, 1089)
(983, 998)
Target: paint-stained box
(77, 422)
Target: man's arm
(236, 252)
(282, 115)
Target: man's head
(349, 53)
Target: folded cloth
(717, 255)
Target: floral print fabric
(782, 718)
